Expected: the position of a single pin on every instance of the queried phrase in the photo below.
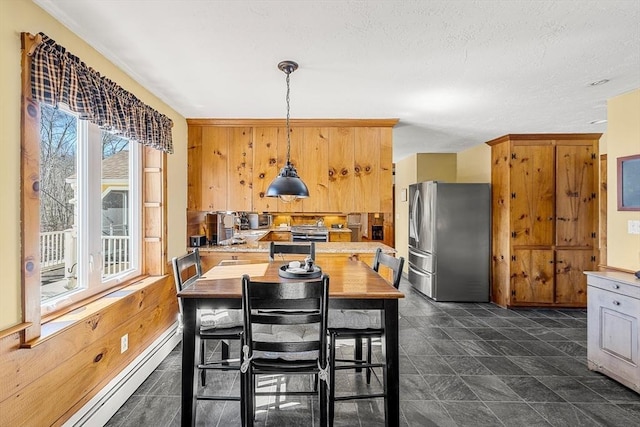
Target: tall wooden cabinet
(545, 218)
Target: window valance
(58, 76)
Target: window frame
(153, 238)
(89, 195)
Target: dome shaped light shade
(287, 185)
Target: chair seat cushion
(286, 333)
(220, 319)
(355, 319)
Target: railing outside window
(115, 250)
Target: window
(83, 196)
(89, 209)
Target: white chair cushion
(220, 319)
(355, 319)
(287, 333)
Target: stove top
(309, 229)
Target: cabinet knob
(616, 303)
(616, 286)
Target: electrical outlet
(633, 226)
(124, 343)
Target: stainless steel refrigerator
(450, 240)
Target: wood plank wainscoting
(49, 382)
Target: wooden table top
(347, 279)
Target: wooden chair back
(388, 261)
(287, 248)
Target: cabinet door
(576, 188)
(339, 236)
(313, 167)
(215, 146)
(367, 169)
(571, 283)
(613, 324)
(194, 166)
(240, 168)
(265, 167)
(340, 174)
(532, 276)
(532, 195)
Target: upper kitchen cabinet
(340, 174)
(346, 164)
(313, 166)
(265, 166)
(545, 218)
(220, 167)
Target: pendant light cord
(288, 128)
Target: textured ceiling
(456, 73)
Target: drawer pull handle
(616, 286)
(616, 303)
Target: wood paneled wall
(47, 383)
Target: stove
(309, 233)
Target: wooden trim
(543, 136)
(30, 196)
(14, 329)
(295, 122)
(77, 305)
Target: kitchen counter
(321, 248)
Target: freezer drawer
(422, 281)
(422, 260)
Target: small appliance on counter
(244, 221)
(253, 221)
(198, 241)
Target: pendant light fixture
(288, 185)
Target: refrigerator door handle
(413, 226)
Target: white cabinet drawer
(613, 342)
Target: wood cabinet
(220, 167)
(347, 164)
(545, 218)
(613, 326)
(339, 236)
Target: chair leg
(224, 344)
(332, 379)
(248, 402)
(203, 372)
(369, 360)
(323, 404)
(358, 352)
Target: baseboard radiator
(106, 403)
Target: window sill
(55, 326)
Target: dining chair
(288, 248)
(359, 325)
(296, 343)
(214, 324)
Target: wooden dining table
(352, 285)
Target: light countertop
(326, 248)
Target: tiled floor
(461, 365)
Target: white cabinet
(613, 330)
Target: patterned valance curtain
(58, 76)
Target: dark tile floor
(462, 364)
